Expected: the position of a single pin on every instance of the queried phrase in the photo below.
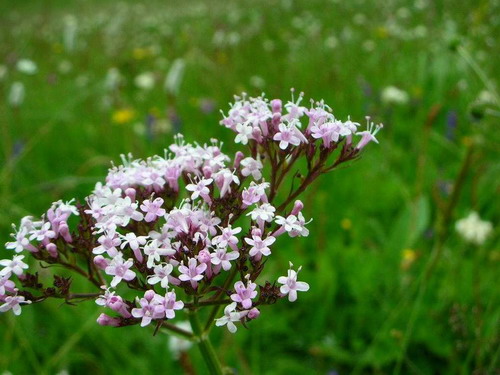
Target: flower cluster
(193, 228)
(473, 229)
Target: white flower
(177, 344)
(221, 256)
(393, 95)
(154, 250)
(162, 272)
(145, 81)
(26, 66)
(291, 285)
(264, 212)
(15, 266)
(244, 133)
(229, 317)
(174, 77)
(251, 167)
(259, 246)
(16, 94)
(473, 229)
(13, 303)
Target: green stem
(206, 348)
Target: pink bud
(116, 303)
(204, 256)
(64, 232)
(276, 105)
(207, 171)
(238, 157)
(51, 249)
(256, 232)
(276, 120)
(130, 192)
(101, 262)
(348, 140)
(257, 135)
(297, 207)
(253, 313)
(149, 295)
(106, 320)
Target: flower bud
(51, 249)
(297, 207)
(276, 105)
(253, 313)
(106, 320)
(64, 232)
(130, 192)
(101, 262)
(204, 256)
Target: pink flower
(155, 251)
(6, 285)
(152, 307)
(222, 257)
(287, 135)
(244, 294)
(259, 246)
(368, 135)
(161, 275)
(193, 272)
(15, 266)
(114, 302)
(13, 303)
(223, 179)
(291, 285)
(134, 242)
(244, 134)
(21, 241)
(252, 167)
(171, 304)
(120, 270)
(200, 189)
(227, 237)
(152, 209)
(108, 243)
(230, 316)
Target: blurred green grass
(369, 219)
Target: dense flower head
(177, 231)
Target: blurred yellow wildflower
(346, 224)
(141, 53)
(408, 258)
(467, 141)
(123, 115)
(382, 32)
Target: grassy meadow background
(394, 288)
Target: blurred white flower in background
(331, 42)
(257, 82)
(26, 66)
(113, 79)
(16, 94)
(145, 81)
(69, 32)
(174, 76)
(3, 72)
(178, 345)
(473, 229)
(65, 67)
(485, 97)
(393, 95)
